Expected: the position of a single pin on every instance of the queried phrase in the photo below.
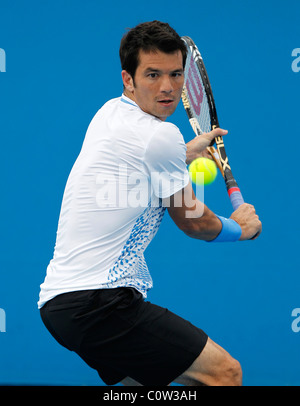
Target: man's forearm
(207, 227)
(193, 217)
(191, 151)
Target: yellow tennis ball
(207, 167)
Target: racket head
(197, 92)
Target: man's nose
(166, 84)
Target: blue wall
(61, 66)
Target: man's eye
(176, 74)
(152, 75)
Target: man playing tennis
(131, 167)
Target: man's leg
(213, 367)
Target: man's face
(157, 84)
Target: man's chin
(165, 113)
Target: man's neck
(130, 95)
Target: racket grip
(235, 197)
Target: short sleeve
(164, 159)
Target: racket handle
(235, 197)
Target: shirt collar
(126, 100)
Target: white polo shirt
(111, 207)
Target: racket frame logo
(220, 146)
(194, 88)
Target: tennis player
(132, 167)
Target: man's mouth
(166, 102)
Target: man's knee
(230, 373)
(215, 367)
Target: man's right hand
(247, 218)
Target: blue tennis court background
(61, 66)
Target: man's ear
(127, 81)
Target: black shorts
(118, 333)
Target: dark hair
(149, 36)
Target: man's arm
(192, 216)
(196, 220)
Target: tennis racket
(198, 101)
